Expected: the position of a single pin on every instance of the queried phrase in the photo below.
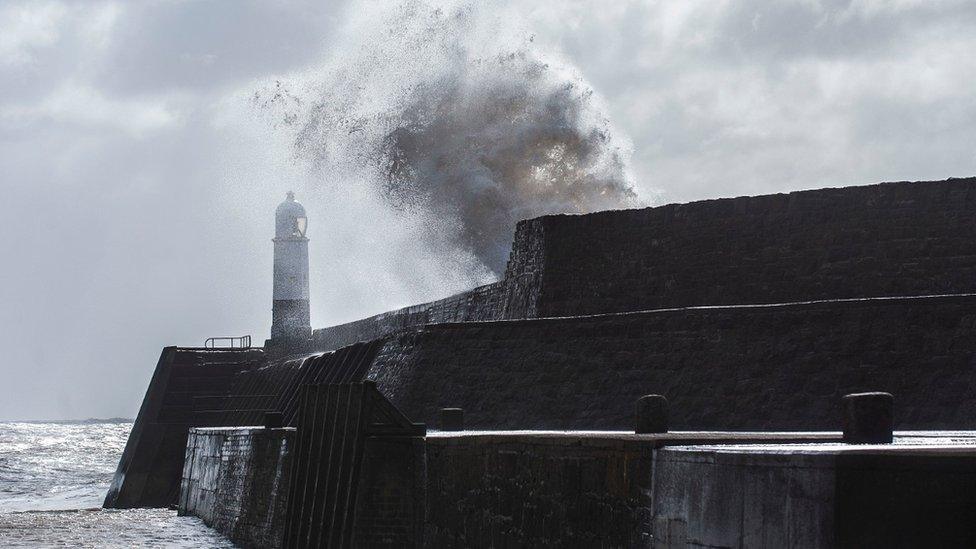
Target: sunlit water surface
(53, 477)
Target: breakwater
(748, 314)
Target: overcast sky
(137, 192)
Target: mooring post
(274, 420)
(652, 414)
(868, 418)
(452, 419)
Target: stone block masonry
(892, 239)
(781, 367)
(391, 496)
(443, 490)
(237, 480)
(482, 303)
(184, 384)
(208, 388)
(537, 491)
(552, 489)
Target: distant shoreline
(89, 421)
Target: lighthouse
(290, 310)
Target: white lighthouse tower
(290, 310)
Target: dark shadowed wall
(537, 491)
(892, 239)
(236, 480)
(757, 367)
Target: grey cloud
(208, 44)
(750, 97)
(759, 31)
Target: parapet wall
(778, 367)
(515, 296)
(892, 239)
(481, 303)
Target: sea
(53, 478)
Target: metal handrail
(233, 342)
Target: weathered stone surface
(482, 303)
(710, 498)
(358, 471)
(753, 368)
(542, 492)
(236, 480)
(205, 387)
(391, 494)
(608, 489)
(148, 474)
(892, 239)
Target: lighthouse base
(290, 319)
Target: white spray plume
(456, 122)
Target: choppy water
(53, 477)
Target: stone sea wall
(538, 491)
(600, 489)
(442, 490)
(236, 480)
(780, 367)
(891, 239)
(390, 502)
(183, 393)
(482, 303)
(210, 388)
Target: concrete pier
(754, 316)
(582, 487)
(607, 488)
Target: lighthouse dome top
(290, 218)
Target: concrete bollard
(274, 420)
(652, 414)
(452, 419)
(868, 418)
